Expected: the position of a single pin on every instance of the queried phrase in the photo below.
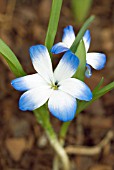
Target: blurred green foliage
(11, 60)
(81, 9)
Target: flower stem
(54, 142)
(56, 161)
(63, 132)
(61, 154)
(62, 135)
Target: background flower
(96, 60)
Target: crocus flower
(96, 60)
(58, 88)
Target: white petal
(28, 82)
(62, 105)
(96, 60)
(76, 88)
(66, 67)
(34, 98)
(87, 40)
(42, 62)
(59, 48)
(68, 36)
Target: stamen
(55, 86)
(56, 83)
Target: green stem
(53, 23)
(60, 151)
(63, 132)
(53, 139)
(62, 135)
(56, 165)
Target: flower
(58, 88)
(96, 60)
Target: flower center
(55, 86)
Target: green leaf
(53, 23)
(104, 90)
(81, 54)
(98, 94)
(81, 33)
(99, 85)
(81, 9)
(11, 59)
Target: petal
(88, 72)
(42, 62)
(96, 60)
(28, 82)
(68, 36)
(59, 48)
(87, 40)
(62, 105)
(76, 88)
(34, 98)
(66, 67)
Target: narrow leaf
(81, 34)
(100, 93)
(11, 59)
(99, 85)
(105, 89)
(53, 23)
(81, 9)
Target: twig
(91, 151)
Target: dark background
(23, 144)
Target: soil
(23, 144)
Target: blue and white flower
(58, 88)
(96, 60)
